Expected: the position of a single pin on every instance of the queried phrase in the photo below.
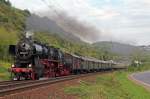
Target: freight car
(33, 60)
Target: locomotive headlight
(30, 65)
(12, 65)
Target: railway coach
(80, 64)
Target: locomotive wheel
(18, 77)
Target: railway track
(9, 82)
(6, 82)
(8, 88)
(12, 84)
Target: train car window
(68, 60)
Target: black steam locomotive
(34, 60)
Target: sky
(125, 21)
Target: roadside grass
(109, 86)
(4, 74)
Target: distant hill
(118, 48)
(125, 52)
(146, 48)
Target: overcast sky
(126, 21)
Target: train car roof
(91, 59)
(73, 55)
(76, 56)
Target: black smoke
(64, 25)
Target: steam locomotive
(34, 60)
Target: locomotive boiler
(34, 60)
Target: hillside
(12, 22)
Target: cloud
(31, 5)
(105, 14)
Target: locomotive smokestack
(29, 34)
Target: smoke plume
(65, 24)
(79, 28)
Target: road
(142, 78)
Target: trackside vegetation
(115, 85)
(4, 74)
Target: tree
(7, 2)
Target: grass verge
(110, 86)
(4, 74)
